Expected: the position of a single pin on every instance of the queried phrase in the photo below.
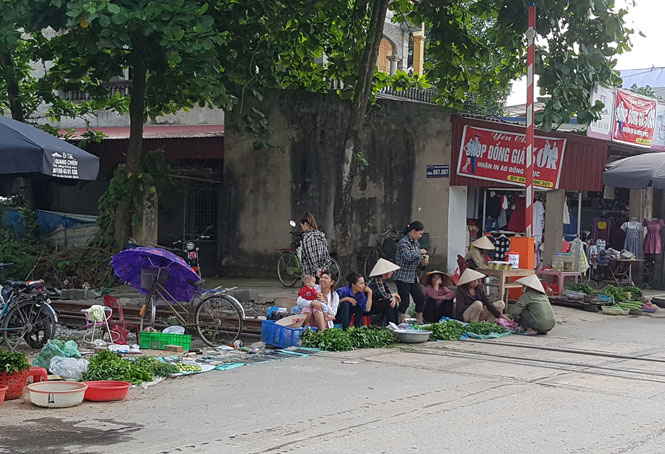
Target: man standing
(622, 113)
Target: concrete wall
(264, 189)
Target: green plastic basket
(159, 341)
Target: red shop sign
(500, 156)
(634, 119)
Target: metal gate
(201, 212)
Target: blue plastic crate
(281, 336)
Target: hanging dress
(652, 240)
(633, 242)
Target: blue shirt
(347, 292)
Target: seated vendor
(385, 304)
(533, 310)
(477, 256)
(439, 298)
(472, 303)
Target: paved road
(595, 385)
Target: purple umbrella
(130, 263)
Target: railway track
(69, 314)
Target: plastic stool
(366, 321)
(38, 374)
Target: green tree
(170, 50)
(577, 46)
(647, 90)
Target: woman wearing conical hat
(439, 301)
(533, 310)
(385, 304)
(471, 301)
(476, 257)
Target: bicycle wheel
(336, 270)
(30, 321)
(219, 319)
(370, 261)
(288, 269)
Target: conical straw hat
(427, 280)
(483, 243)
(532, 282)
(382, 267)
(469, 275)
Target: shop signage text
(634, 119)
(438, 171)
(500, 156)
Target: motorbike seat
(6, 292)
(16, 284)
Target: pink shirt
(444, 293)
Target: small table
(622, 271)
(560, 277)
(503, 275)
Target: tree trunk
(343, 214)
(19, 184)
(123, 219)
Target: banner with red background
(634, 119)
(499, 156)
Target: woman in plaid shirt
(315, 256)
(409, 256)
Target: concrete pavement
(596, 384)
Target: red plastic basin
(3, 390)
(106, 391)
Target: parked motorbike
(190, 248)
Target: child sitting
(308, 290)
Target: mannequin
(652, 240)
(634, 232)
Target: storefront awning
(581, 159)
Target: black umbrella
(637, 172)
(26, 149)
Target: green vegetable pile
(106, 365)
(337, 340)
(453, 330)
(613, 292)
(581, 287)
(13, 362)
(448, 330)
(635, 292)
(184, 367)
(484, 328)
(156, 367)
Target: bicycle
(382, 246)
(289, 264)
(26, 313)
(218, 317)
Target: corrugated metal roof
(160, 131)
(583, 162)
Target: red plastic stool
(367, 320)
(38, 374)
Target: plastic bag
(54, 348)
(70, 368)
(174, 330)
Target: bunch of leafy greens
(337, 340)
(156, 367)
(613, 292)
(581, 287)
(11, 363)
(106, 365)
(448, 330)
(484, 328)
